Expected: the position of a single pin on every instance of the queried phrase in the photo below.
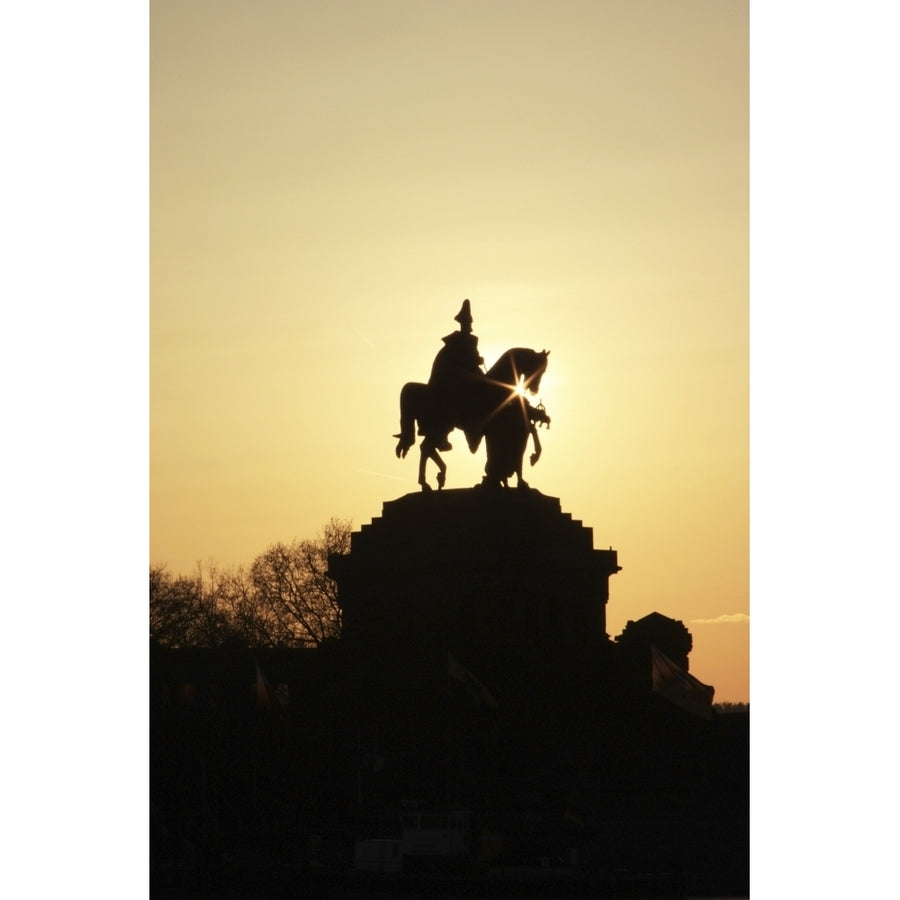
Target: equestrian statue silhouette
(489, 405)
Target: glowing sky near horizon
(329, 181)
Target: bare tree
(185, 611)
(172, 604)
(286, 599)
(248, 619)
(293, 590)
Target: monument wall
(502, 580)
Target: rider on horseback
(457, 362)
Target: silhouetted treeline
(284, 599)
(730, 707)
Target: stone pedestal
(502, 580)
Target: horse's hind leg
(423, 459)
(409, 399)
(442, 470)
(429, 451)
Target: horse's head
(519, 369)
(532, 365)
(520, 363)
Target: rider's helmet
(464, 316)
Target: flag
(680, 688)
(477, 691)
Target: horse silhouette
(490, 406)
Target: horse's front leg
(520, 481)
(537, 444)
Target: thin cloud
(363, 338)
(726, 619)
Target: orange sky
(330, 180)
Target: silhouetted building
(655, 629)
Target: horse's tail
(409, 396)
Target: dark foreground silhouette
(474, 674)
(249, 791)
